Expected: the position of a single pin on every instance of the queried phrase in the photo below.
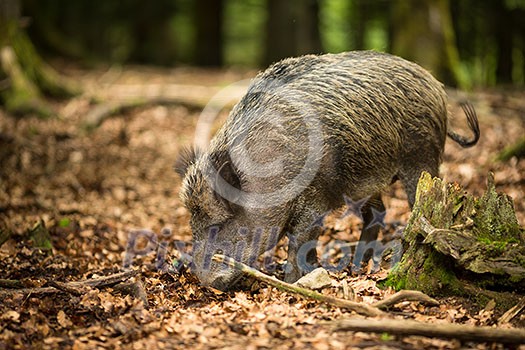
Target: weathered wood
(7, 283)
(512, 312)
(448, 331)
(456, 244)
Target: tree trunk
(292, 29)
(359, 19)
(503, 31)
(308, 37)
(151, 29)
(423, 32)
(24, 74)
(456, 244)
(280, 36)
(208, 19)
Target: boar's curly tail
(472, 120)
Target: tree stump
(456, 244)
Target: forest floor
(90, 188)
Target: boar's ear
(187, 157)
(226, 175)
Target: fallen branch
(106, 281)
(360, 308)
(105, 111)
(76, 287)
(406, 295)
(123, 97)
(5, 283)
(448, 331)
(65, 287)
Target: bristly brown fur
(187, 157)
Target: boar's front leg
(302, 242)
(373, 219)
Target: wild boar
(310, 132)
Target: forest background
(465, 43)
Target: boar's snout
(218, 278)
(209, 272)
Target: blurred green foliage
(335, 25)
(243, 30)
(489, 34)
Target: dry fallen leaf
(63, 320)
(11, 315)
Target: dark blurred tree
(489, 35)
(508, 31)
(280, 36)
(77, 29)
(502, 23)
(116, 31)
(308, 36)
(364, 16)
(23, 75)
(360, 20)
(153, 39)
(208, 16)
(422, 32)
(292, 29)
(491, 39)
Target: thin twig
(73, 287)
(362, 309)
(406, 295)
(68, 288)
(512, 312)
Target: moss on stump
(456, 244)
